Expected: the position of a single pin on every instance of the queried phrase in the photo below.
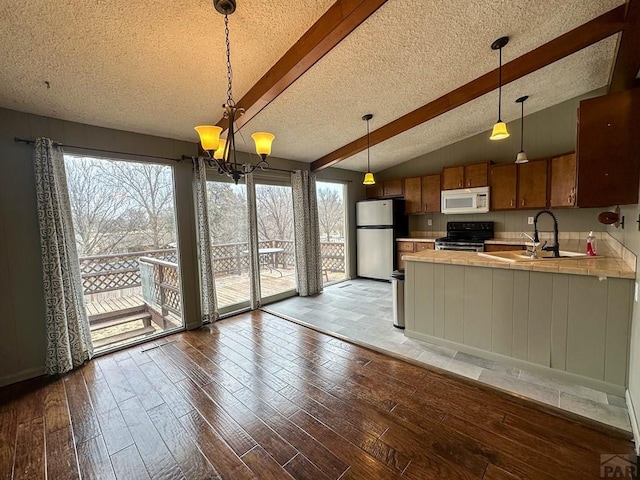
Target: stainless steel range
(465, 236)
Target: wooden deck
(257, 397)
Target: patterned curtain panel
(307, 233)
(254, 258)
(208, 299)
(67, 326)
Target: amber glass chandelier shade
(219, 153)
(263, 142)
(368, 179)
(209, 136)
(499, 131)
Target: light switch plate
(530, 220)
(429, 222)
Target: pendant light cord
(500, 88)
(368, 148)
(522, 127)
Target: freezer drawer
(376, 212)
(375, 253)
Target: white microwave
(465, 200)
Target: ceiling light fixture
(500, 128)
(368, 177)
(222, 152)
(522, 156)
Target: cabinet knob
(469, 183)
(460, 183)
(524, 202)
(513, 202)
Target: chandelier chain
(230, 101)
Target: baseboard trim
(634, 421)
(21, 376)
(561, 375)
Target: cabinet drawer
(420, 246)
(405, 246)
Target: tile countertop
(608, 263)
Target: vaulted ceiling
(159, 67)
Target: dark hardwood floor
(256, 396)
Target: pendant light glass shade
(368, 179)
(209, 136)
(499, 131)
(522, 156)
(263, 142)
(219, 153)
(500, 128)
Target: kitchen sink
(516, 256)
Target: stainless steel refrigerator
(378, 224)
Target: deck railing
(106, 273)
(160, 286)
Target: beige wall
(22, 347)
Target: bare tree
(275, 212)
(149, 188)
(330, 212)
(227, 212)
(97, 208)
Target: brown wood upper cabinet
(465, 176)
(385, 189)
(431, 193)
(532, 184)
(422, 194)
(607, 150)
(504, 183)
(563, 181)
(374, 191)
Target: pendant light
(522, 156)
(368, 177)
(222, 153)
(500, 128)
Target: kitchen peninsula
(568, 318)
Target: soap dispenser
(591, 244)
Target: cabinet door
(532, 184)
(431, 194)
(420, 246)
(476, 175)
(452, 177)
(412, 195)
(607, 149)
(392, 188)
(563, 181)
(504, 180)
(374, 191)
(405, 246)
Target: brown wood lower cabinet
(405, 247)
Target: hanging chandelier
(500, 128)
(368, 177)
(222, 152)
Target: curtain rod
(58, 144)
(187, 157)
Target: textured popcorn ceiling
(159, 67)
(144, 66)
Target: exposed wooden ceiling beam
(338, 21)
(627, 61)
(571, 42)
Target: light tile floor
(361, 310)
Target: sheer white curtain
(307, 233)
(254, 257)
(208, 299)
(66, 323)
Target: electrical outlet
(429, 222)
(530, 220)
(636, 294)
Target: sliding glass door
(124, 221)
(275, 241)
(228, 228)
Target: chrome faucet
(534, 245)
(555, 247)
